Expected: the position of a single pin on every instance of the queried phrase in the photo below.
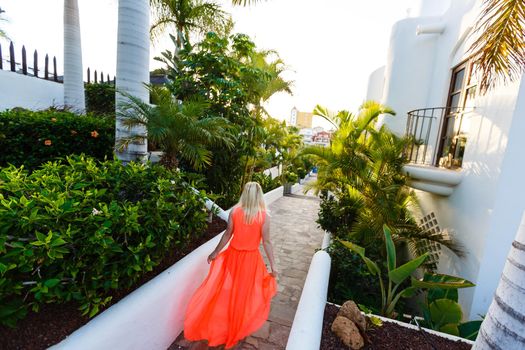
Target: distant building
(316, 136)
(301, 119)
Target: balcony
(436, 152)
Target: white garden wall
(18, 90)
(152, 316)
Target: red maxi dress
(234, 299)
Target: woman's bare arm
(224, 240)
(267, 244)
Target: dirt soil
(389, 336)
(54, 322)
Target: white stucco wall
(376, 82)
(484, 210)
(18, 90)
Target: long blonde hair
(252, 202)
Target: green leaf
(50, 283)
(40, 236)
(390, 249)
(450, 328)
(469, 330)
(444, 311)
(354, 247)
(401, 273)
(454, 282)
(409, 292)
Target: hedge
(75, 230)
(31, 138)
(100, 99)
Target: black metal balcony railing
(437, 138)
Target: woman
(234, 299)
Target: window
(454, 128)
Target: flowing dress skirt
(233, 301)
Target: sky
(329, 46)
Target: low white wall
(274, 172)
(273, 195)
(153, 315)
(18, 90)
(308, 321)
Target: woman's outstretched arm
(267, 244)
(224, 240)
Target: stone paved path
(295, 237)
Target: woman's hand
(212, 256)
(274, 274)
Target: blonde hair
(252, 202)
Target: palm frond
(499, 50)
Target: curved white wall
(376, 82)
(308, 321)
(18, 90)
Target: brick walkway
(295, 237)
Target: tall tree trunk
(504, 324)
(73, 79)
(132, 69)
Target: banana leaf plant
(393, 290)
(442, 312)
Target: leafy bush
(337, 215)
(100, 99)
(74, 231)
(31, 138)
(351, 280)
(266, 181)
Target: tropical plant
(363, 166)
(186, 17)
(499, 48)
(73, 74)
(394, 289)
(3, 34)
(132, 71)
(442, 312)
(178, 128)
(220, 71)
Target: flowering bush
(75, 230)
(31, 138)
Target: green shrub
(31, 138)
(351, 280)
(100, 99)
(337, 215)
(266, 181)
(74, 231)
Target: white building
(469, 166)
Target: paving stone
(252, 341)
(263, 332)
(279, 334)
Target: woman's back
(246, 236)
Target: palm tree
(3, 34)
(132, 73)
(188, 16)
(364, 165)
(74, 97)
(499, 49)
(502, 327)
(499, 52)
(178, 128)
